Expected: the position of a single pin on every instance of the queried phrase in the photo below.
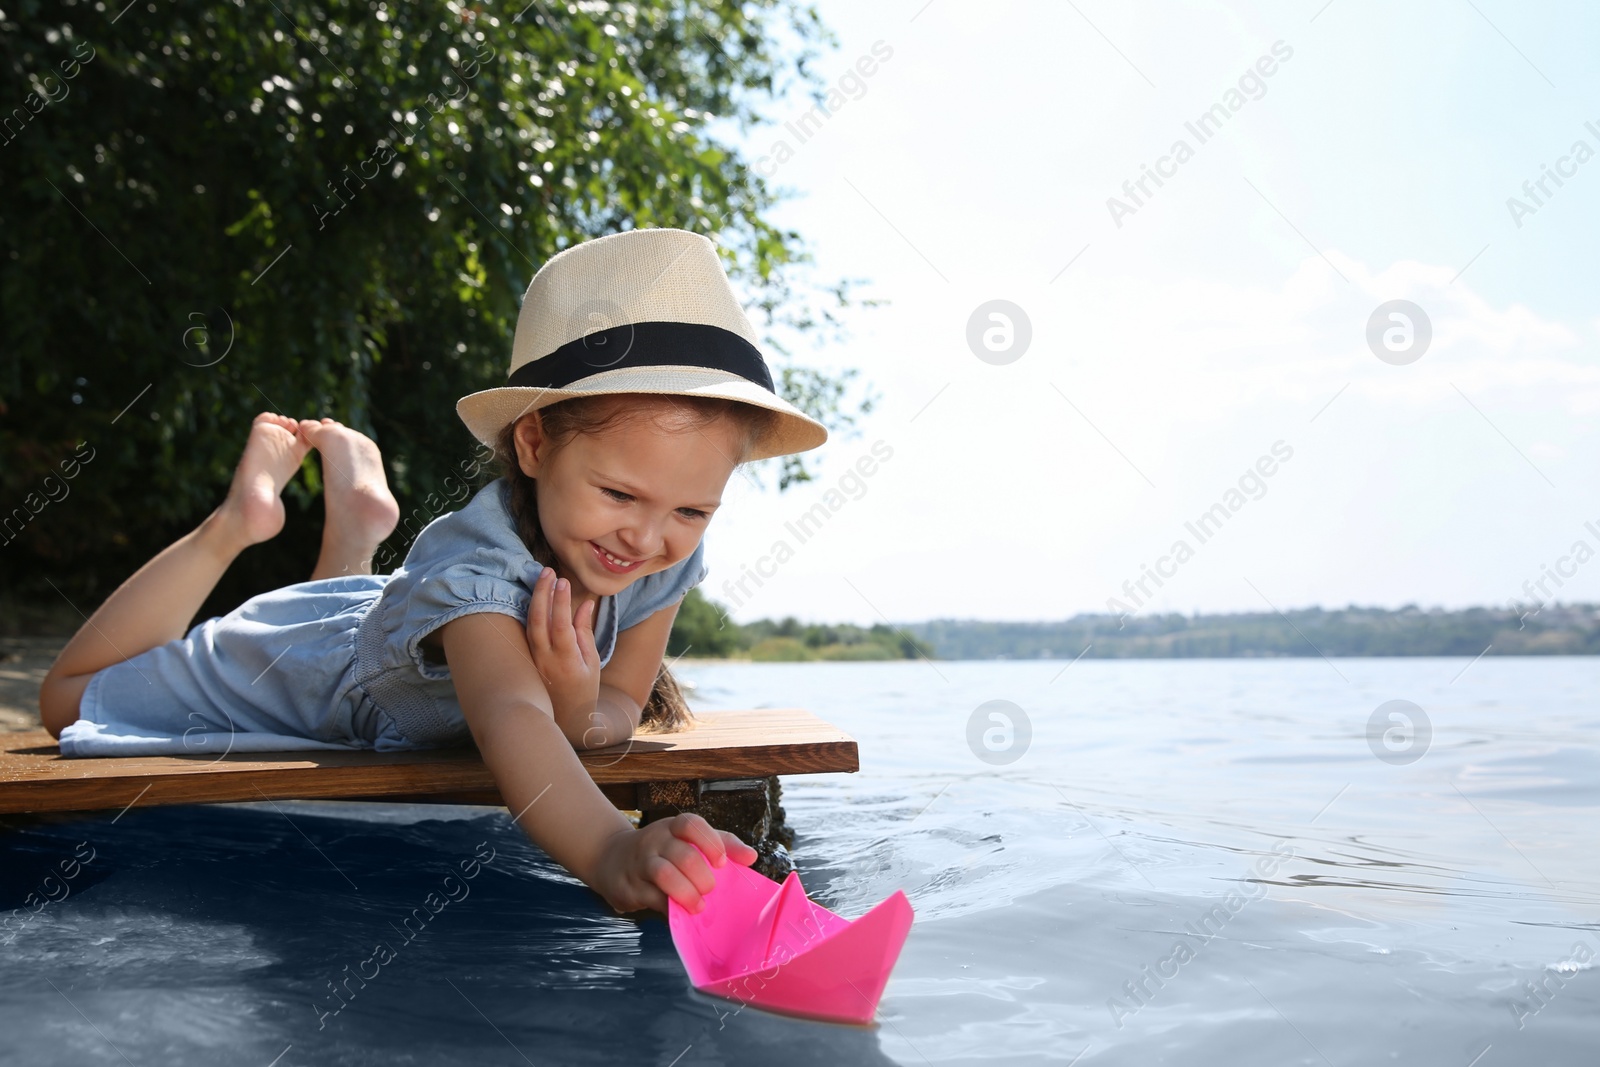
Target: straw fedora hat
(641, 311)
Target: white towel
(84, 738)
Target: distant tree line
(703, 628)
(1572, 629)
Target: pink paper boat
(766, 944)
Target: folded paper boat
(767, 944)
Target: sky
(1201, 347)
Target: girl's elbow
(597, 734)
(591, 738)
(59, 701)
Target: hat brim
(488, 412)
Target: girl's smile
(612, 563)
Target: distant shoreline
(700, 661)
(1520, 630)
(714, 661)
(1530, 630)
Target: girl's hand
(563, 647)
(643, 868)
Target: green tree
(702, 628)
(212, 209)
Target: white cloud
(1202, 331)
(1002, 501)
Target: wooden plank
(726, 744)
(622, 794)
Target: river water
(1136, 862)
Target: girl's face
(631, 501)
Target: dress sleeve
(664, 588)
(484, 580)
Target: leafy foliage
(703, 628)
(334, 209)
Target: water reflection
(245, 930)
(1067, 903)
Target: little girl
(533, 621)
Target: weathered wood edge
(438, 776)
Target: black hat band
(645, 344)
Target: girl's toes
(274, 419)
(318, 430)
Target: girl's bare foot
(359, 510)
(253, 511)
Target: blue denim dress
(337, 663)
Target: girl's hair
(665, 710)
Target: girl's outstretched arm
(551, 795)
